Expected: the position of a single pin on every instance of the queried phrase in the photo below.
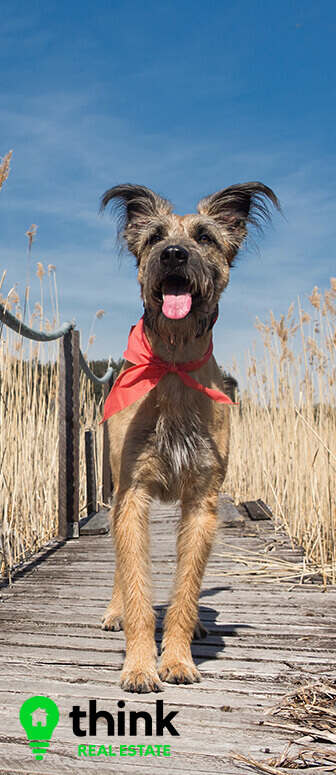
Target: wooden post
(107, 475)
(68, 483)
(91, 483)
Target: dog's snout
(174, 255)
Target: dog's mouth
(175, 294)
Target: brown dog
(173, 442)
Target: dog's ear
(236, 206)
(135, 205)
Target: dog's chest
(182, 445)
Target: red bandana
(138, 380)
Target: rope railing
(19, 327)
(87, 371)
(71, 359)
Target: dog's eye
(204, 238)
(154, 238)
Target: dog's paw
(200, 631)
(112, 621)
(140, 681)
(174, 672)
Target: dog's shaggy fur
(174, 442)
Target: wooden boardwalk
(264, 638)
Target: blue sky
(185, 98)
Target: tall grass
(5, 168)
(283, 443)
(29, 422)
(29, 436)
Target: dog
(168, 438)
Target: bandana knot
(148, 370)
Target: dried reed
(308, 711)
(323, 760)
(29, 423)
(283, 436)
(5, 168)
(29, 436)
(263, 568)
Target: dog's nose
(174, 256)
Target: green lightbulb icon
(39, 716)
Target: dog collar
(148, 370)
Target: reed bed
(283, 435)
(29, 435)
(29, 421)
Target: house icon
(39, 717)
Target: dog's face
(184, 261)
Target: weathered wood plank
(95, 524)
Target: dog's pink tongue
(176, 306)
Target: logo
(39, 716)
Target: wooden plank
(257, 509)
(95, 524)
(228, 513)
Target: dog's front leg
(114, 615)
(132, 546)
(196, 533)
